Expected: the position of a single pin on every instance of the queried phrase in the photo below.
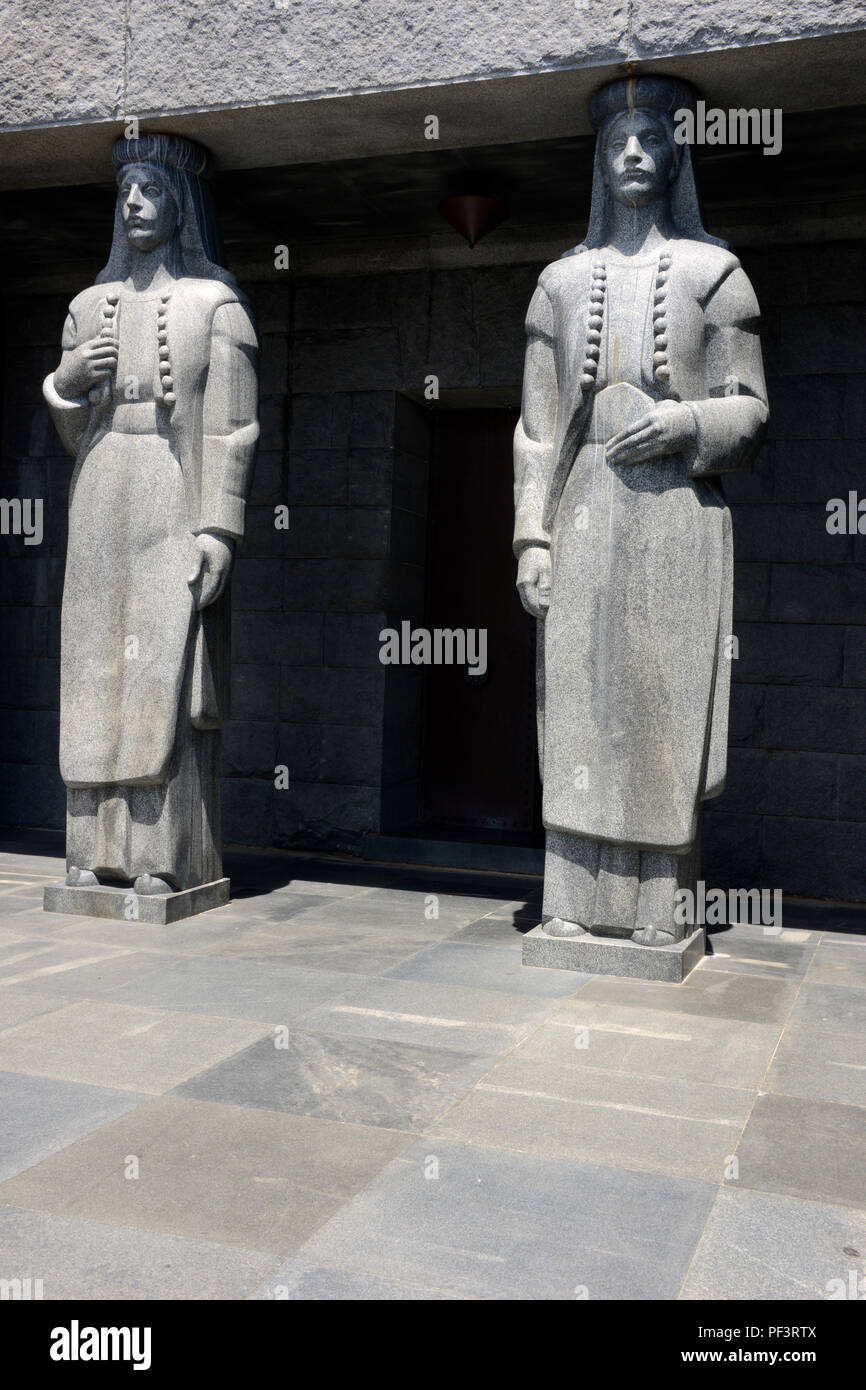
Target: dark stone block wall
(349, 454)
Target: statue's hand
(669, 428)
(213, 567)
(85, 366)
(533, 580)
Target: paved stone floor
(345, 1085)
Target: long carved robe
(634, 663)
(143, 674)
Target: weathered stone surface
(157, 370)
(596, 956)
(625, 553)
(124, 905)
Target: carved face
(639, 159)
(147, 206)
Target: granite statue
(156, 398)
(643, 383)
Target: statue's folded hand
(85, 366)
(533, 580)
(669, 428)
(212, 568)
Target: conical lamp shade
(473, 214)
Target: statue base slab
(600, 955)
(124, 905)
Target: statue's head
(637, 159)
(163, 200)
(148, 206)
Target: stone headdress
(663, 96)
(196, 242)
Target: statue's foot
(557, 927)
(148, 886)
(652, 936)
(81, 878)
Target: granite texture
(622, 536)
(155, 397)
(599, 956)
(124, 905)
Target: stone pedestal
(124, 905)
(599, 955)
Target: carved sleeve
(732, 423)
(534, 436)
(70, 417)
(230, 425)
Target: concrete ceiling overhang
(796, 75)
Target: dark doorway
(479, 769)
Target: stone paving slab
(104, 1044)
(650, 1042)
(757, 1246)
(490, 1224)
(805, 1148)
(582, 1127)
(706, 994)
(835, 963)
(67, 1111)
(302, 1281)
(355, 1080)
(431, 1015)
(481, 967)
(85, 1260)
(237, 1176)
(274, 993)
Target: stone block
(352, 639)
(776, 531)
(320, 585)
(299, 748)
(816, 340)
(321, 420)
(346, 359)
(790, 653)
(262, 539)
(595, 955)
(249, 749)
(247, 810)
(814, 858)
(855, 656)
(318, 477)
(806, 408)
(272, 423)
(372, 419)
(801, 593)
(832, 720)
(358, 532)
(268, 485)
(351, 302)
(746, 716)
(814, 470)
(274, 364)
(751, 591)
(326, 815)
(370, 478)
(331, 696)
(30, 682)
(29, 736)
(730, 849)
(852, 787)
(254, 691)
(122, 904)
(351, 755)
(854, 408)
(255, 585)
